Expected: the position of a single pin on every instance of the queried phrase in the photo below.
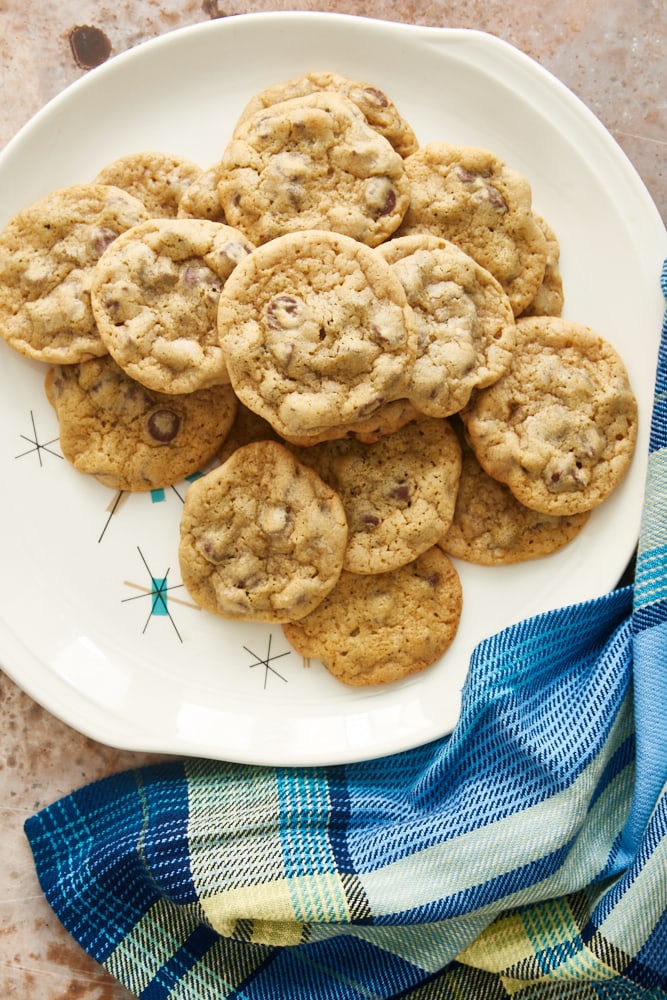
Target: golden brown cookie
(200, 199)
(378, 109)
(382, 628)
(398, 493)
(465, 323)
(549, 298)
(155, 299)
(560, 427)
(470, 196)
(388, 419)
(262, 537)
(48, 253)
(157, 179)
(128, 437)
(316, 332)
(491, 528)
(312, 163)
(247, 427)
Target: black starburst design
(266, 661)
(157, 496)
(37, 446)
(157, 592)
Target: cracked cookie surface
(358, 635)
(378, 109)
(398, 493)
(312, 162)
(262, 536)
(48, 253)
(465, 323)
(155, 299)
(128, 437)
(200, 199)
(560, 427)
(470, 196)
(157, 179)
(491, 528)
(316, 332)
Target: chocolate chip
(496, 198)
(282, 312)
(377, 96)
(163, 425)
(190, 276)
(103, 238)
(389, 204)
(465, 176)
(112, 307)
(401, 493)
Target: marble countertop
(608, 52)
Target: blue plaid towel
(526, 853)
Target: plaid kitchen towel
(525, 854)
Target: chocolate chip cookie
(491, 528)
(48, 253)
(378, 109)
(560, 427)
(200, 199)
(262, 537)
(312, 162)
(470, 196)
(155, 299)
(465, 322)
(157, 179)
(381, 628)
(316, 332)
(128, 437)
(550, 296)
(398, 493)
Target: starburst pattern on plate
(158, 593)
(37, 447)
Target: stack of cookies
(360, 338)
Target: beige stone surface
(609, 52)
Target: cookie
(157, 179)
(155, 298)
(560, 427)
(470, 196)
(378, 109)
(465, 323)
(398, 493)
(48, 252)
(316, 332)
(312, 163)
(491, 528)
(128, 437)
(247, 427)
(200, 199)
(381, 628)
(388, 419)
(262, 537)
(549, 298)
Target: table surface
(608, 52)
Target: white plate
(80, 627)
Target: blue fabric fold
(526, 853)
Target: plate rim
(105, 727)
